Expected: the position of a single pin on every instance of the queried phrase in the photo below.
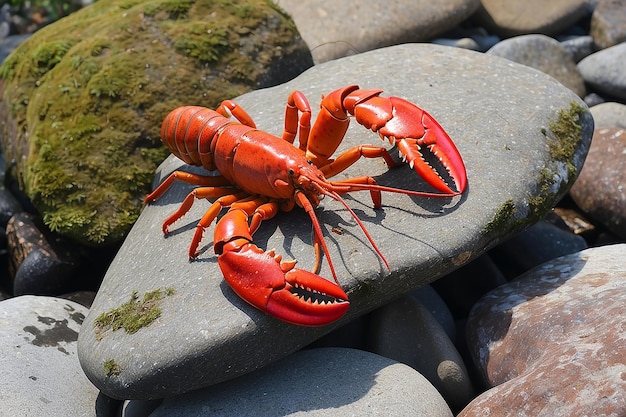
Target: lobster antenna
(350, 186)
(306, 205)
(337, 197)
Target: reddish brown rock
(552, 342)
(600, 189)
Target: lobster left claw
(295, 295)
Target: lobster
(261, 174)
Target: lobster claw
(426, 146)
(292, 295)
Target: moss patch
(132, 315)
(502, 219)
(566, 140)
(111, 368)
(83, 98)
(567, 130)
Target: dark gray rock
(539, 243)
(579, 47)
(517, 168)
(404, 330)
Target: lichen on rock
(83, 98)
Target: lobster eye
(309, 162)
(291, 172)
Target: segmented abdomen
(189, 131)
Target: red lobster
(262, 174)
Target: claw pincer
(293, 295)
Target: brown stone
(511, 18)
(552, 342)
(608, 23)
(599, 190)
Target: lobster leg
(265, 281)
(297, 103)
(230, 107)
(187, 177)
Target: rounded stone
(600, 190)
(545, 54)
(41, 375)
(552, 341)
(321, 382)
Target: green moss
(194, 42)
(567, 130)
(502, 219)
(132, 315)
(88, 95)
(111, 368)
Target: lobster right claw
(292, 295)
(426, 146)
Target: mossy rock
(83, 98)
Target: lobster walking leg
(267, 282)
(297, 103)
(187, 177)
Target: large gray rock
(334, 29)
(319, 382)
(523, 137)
(41, 375)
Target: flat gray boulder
(522, 135)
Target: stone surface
(609, 115)
(521, 157)
(83, 98)
(608, 23)
(437, 307)
(600, 190)
(604, 71)
(539, 243)
(404, 330)
(334, 29)
(41, 375)
(37, 265)
(579, 47)
(552, 342)
(545, 54)
(519, 17)
(317, 382)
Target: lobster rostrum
(261, 174)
